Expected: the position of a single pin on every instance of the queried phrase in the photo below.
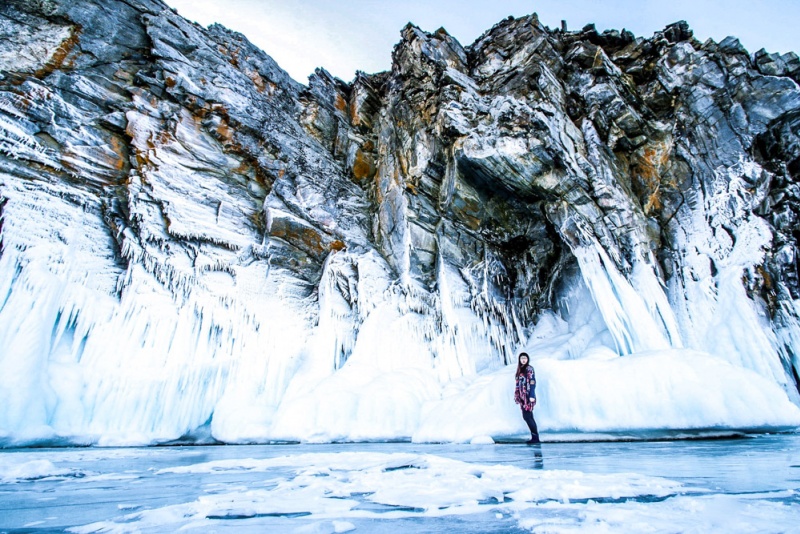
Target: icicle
(625, 312)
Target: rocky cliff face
(192, 242)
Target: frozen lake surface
(726, 485)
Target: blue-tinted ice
(731, 485)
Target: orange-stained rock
(339, 103)
(363, 166)
(57, 60)
(261, 86)
(648, 165)
(303, 236)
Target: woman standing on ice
(525, 394)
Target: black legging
(528, 416)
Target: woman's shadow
(538, 457)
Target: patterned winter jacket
(526, 388)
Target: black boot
(534, 439)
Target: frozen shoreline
(634, 436)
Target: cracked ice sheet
(744, 513)
(352, 486)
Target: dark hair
(520, 367)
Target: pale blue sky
(347, 35)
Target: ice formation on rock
(196, 247)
